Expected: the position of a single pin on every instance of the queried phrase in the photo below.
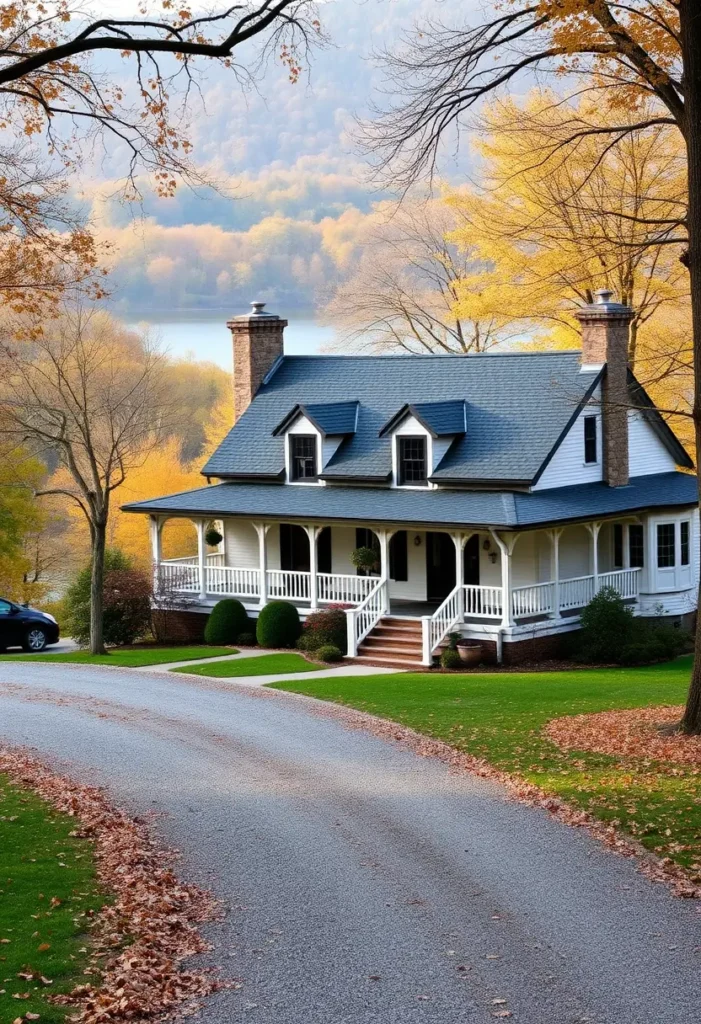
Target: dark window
(323, 550)
(590, 439)
(302, 457)
(665, 546)
(618, 545)
(636, 547)
(684, 526)
(412, 461)
(398, 563)
(294, 548)
(365, 538)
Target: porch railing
(288, 584)
(484, 602)
(538, 599)
(447, 615)
(333, 588)
(227, 579)
(360, 620)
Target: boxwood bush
(450, 658)
(278, 625)
(328, 653)
(227, 620)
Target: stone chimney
(258, 344)
(605, 332)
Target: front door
(440, 566)
(472, 561)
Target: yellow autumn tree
(547, 229)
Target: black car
(22, 626)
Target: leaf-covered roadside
(49, 896)
(133, 966)
(494, 725)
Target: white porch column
(202, 557)
(312, 533)
(262, 530)
(384, 537)
(506, 548)
(594, 529)
(155, 528)
(555, 543)
(460, 540)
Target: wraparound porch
(521, 577)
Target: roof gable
(441, 419)
(332, 418)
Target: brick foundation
(179, 627)
(521, 652)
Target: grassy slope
(500, 717)
(41, 864)
(263, 665)
(131, 658)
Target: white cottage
(500, 491)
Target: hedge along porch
(494, 585)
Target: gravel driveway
(365, 885)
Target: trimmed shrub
(226, 621)
(450, 658)
(127, 603)
(607, 627)
(328, 653)
(652, 643)
(324, 628)
(246, 639)
(278, 625)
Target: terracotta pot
(470, 652)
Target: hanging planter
(365, 559)
(213, 537)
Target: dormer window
(412, 462)
(303, 457)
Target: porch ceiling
(439, 508)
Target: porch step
(373, 646)
(395, 662)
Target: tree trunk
(99, 541)
(690, 17)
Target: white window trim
(309, 429)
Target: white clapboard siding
(567, 466)
(647, 454)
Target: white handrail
(228, 579)
(625, 581)
(287, 583)
(443, 619)
(360, 620)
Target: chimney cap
(604, 307)
(257, 313)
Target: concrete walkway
(255, 652)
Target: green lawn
(263, 665)
(47, 885)
(137, 657)
(500, 717)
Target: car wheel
(35, 640)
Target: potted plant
(470, 651)
(213, 536)
(365, 559)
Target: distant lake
(205, 335)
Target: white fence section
(226, 579)
(360, 620)
(288, 584)
(533, 600)
(484, 602)
(333, 588)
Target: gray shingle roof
(518, 405)
(331, 418)
(446, 507)
(442, 419)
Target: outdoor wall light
(493, 558)
(417, 540)
(486, 546)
